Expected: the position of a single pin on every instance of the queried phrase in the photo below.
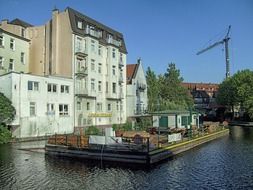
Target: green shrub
(92, 130)
(5, 135)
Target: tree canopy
(166, 92)
(237, 91)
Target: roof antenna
(139, 60)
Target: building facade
(14, 53)
(73, 45)
(136, 89)
(204, 94)
(44, 105)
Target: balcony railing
(141, 86)
(121, 80)
(81, 51)
(94, 33)
(114, 42)
(81, 91)
(121, 64)
(82, 72)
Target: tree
(237, 91)
(172, 92)
(7, 113)
(152, 90)
(166, 92)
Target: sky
(163, 31)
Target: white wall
(42, 123)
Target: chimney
(139, 60)
(4, 22)
(55, 11)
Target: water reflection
(226, 163)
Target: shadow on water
(239, 133)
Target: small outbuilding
(171, 119)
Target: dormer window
(79, 24)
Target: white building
(44, 105)
(136, 89)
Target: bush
(92, 130)
(5, 135)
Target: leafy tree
(172, 92)
(7, 113)
(152, 89)
(237, 91)
(166, 92)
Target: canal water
(226, 163)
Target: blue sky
(163, 31)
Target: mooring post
(55, 139)
(148, 145)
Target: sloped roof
(20, 23)
(75, 16)
(131, 72)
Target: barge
(137, 151)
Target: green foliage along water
(7, 113)
(237, 91)
(165, 92)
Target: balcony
(94, 33)
(82, 72)
(81, 92)
(114, 42)
(121, 80)
(81, 52)
(141, 87)
(121, 64)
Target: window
(79, 24)
(109, 107)
(114, 70)
(78, 105)
(93, 65)
(32, 108)
(113, 53)
(99, 106)
(99, 86)
(121, 107)
(121, 57)
(22, 32)
(78, 44)
(11, 65)
(52, 87)
(92, 45)
(1, 62)
(32, 85)
(100, 68)
(100, 50)
(92, 84)
(88, 105)
(107, 87)
(12, 44)
(1, 40)
(117, 106)
(64, 89)
(22, 58)
(113, 87)
(63, 109)
(50, 109)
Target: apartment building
(73, 45)
(14, 53)
(44, 105)
(136, 89)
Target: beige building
(14, 53)
(94, 55)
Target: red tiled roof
(201, 86)
(130, 71)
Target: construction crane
(225, 42)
